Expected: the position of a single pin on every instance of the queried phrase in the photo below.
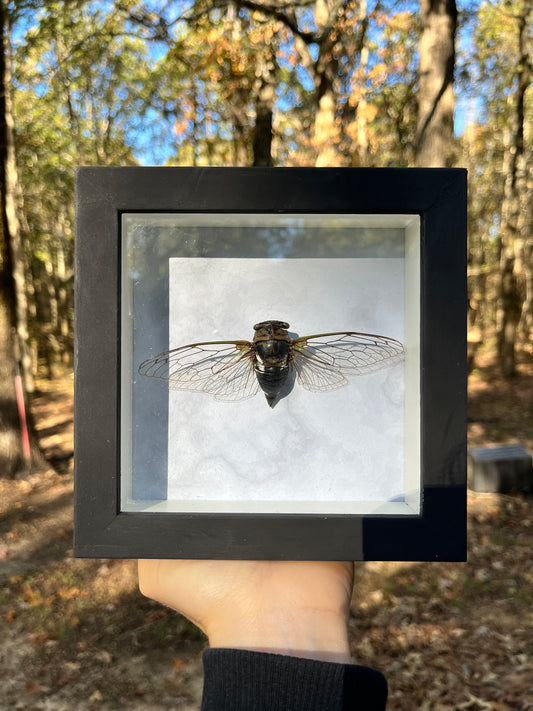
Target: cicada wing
(223, 369)
(323, 361)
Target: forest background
(234, 83)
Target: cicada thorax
(272, 346)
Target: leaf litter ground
(448, 636)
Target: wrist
(313, 634)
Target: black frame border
(438, 196)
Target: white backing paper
(312, 452)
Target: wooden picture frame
(171, 256)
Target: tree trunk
(361, 118)
(14, 350)
(511, 308)
(264, 112)
(326, 135)
(12, 235)
(514, 229)
(326, 132)
(526, 325)
(434, 146)
(11, 459)
(523, 247)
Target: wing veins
(322, 365)
(224, 373)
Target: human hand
(283, 607)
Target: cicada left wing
(323, 361)
(223, 369)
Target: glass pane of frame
(207, 277)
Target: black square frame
(438, 196)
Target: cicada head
(274, 324)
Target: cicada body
(235, 370)
(272, 352)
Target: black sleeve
(239, 680)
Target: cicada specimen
(236, 370)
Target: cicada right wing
(223, 369)
(323, 361)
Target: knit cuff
(235, 680)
